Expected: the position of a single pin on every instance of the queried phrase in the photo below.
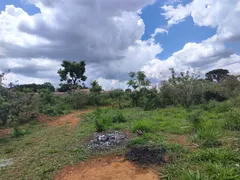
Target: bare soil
(107, 168)
(70, 120)
(4, 133)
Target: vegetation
(195, 120)
(73, 74)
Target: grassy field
(202, 142)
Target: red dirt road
(108, 168)
(70, 120)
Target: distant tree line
(34, 87)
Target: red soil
(108, 168)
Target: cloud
(159, 31)
(211, 53)
(106, 34)
(220, 14)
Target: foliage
(216, 75)
(17, 132)
(16, 106)
(77, 100)
(95, 87)
(233, 119)
(138, 80)
(119, 117)
(53, 105)
(185, 89)
(144, 126)
(72, 73)
(195, 119)
(207, 137)
(102, 120)
(34, 87)
(215, 155)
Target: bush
(103, 123)
(214, 95)
(233, 119)
(102, 120)
(195, 119)
(19, 105)
(16, 132)
(77, 100)
(143, 125)
(119, 117)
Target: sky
(115, 37)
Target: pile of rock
(106, 141)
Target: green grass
(42, 153)
(45, 150)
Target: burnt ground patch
(146, 155)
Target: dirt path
(71, 119)
(108, 168)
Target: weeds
(195, 119)
(233, 119)
(143, 125)
(207, 137)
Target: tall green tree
(217, 75)
(73, 72)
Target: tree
(138, 80)
(73, 72)
(33, 87)
(96, 88)
(217, 75)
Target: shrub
(233, 119)
(143, 125)
(195, 119)
(77, 100)
(119, 117)
(102, 120)
(16, 132)
(103, 123)
(214, 95)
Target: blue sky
(31, 9)
(178, 35)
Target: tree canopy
(73, 72)
(138, 80)
(217, 75)
(34, 87)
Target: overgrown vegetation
(197, 122)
